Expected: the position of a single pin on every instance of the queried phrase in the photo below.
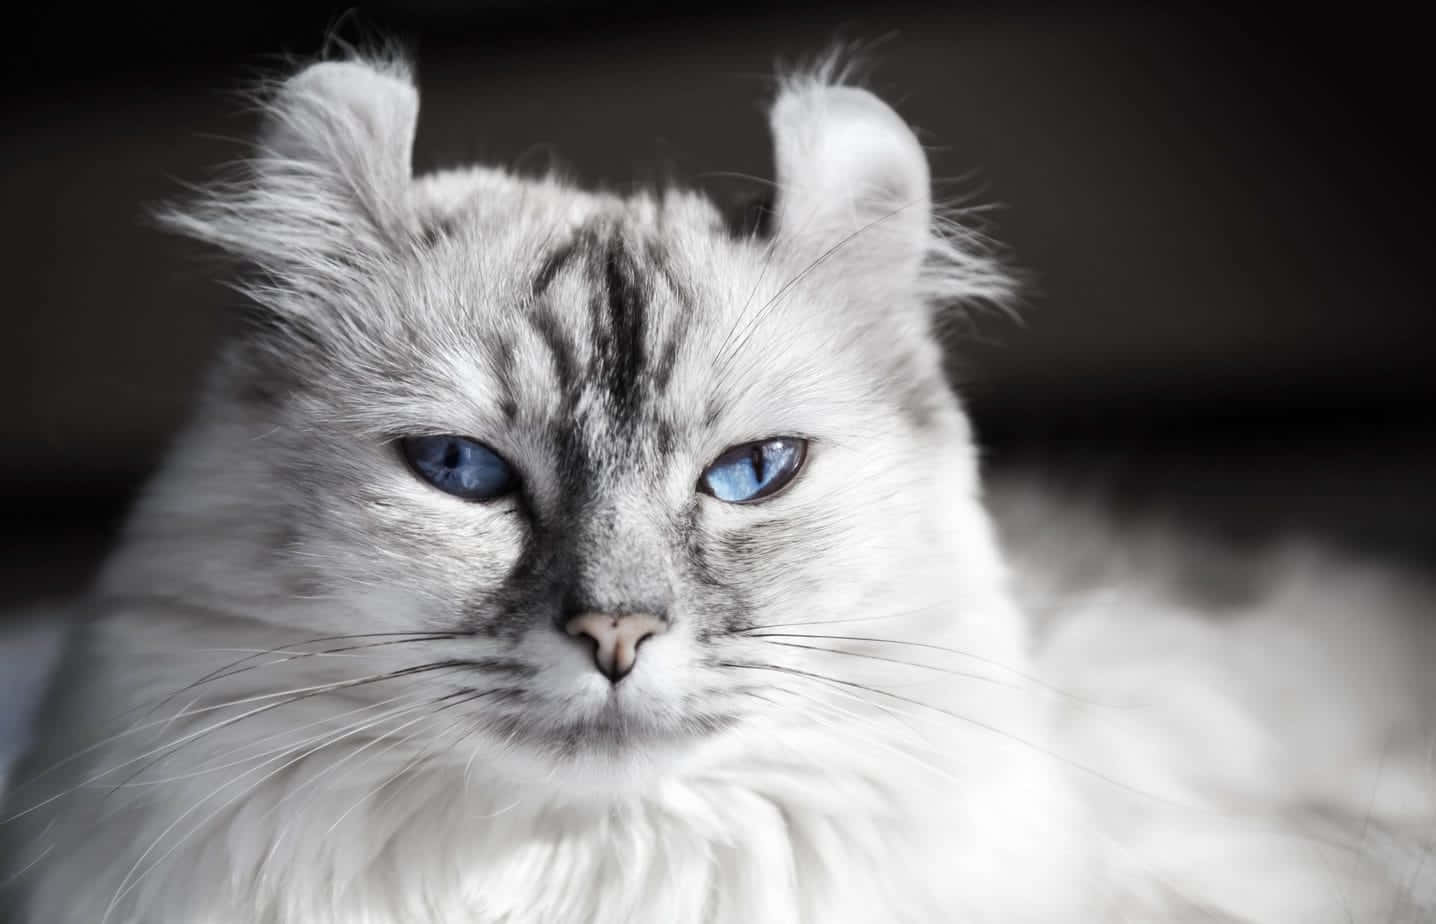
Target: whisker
(278, 651)
(967, 720)
(942, 648)
(413, 762)
(15, 877)
(852, 719)
(165, 752)
(39, 774)
(768, 254)
(305, 693)
(872, 657)
(126, 886)
(832, 622)
(209, 767)
(334, 767)
(724, 357)
(225, 672)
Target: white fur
(1122, 758)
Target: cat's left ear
(329, 183)
(853, 182)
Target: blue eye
(459, 466)
(754, 471)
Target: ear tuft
(353, 118)
(854, 186)
(848, 164)
(328, 185)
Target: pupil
(451, 455)
(756, 455)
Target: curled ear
(347, 126)
(855, 196)
(848, 166)
(329, 180)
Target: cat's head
(606, 460)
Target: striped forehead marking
(620, 279)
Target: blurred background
(1225, 222)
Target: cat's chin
(614, 732)
(593, 763)
(606, 750)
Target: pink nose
(616, 638)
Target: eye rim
(773, 488)
(511, 486)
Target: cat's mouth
(616, 726)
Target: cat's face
(596, 361)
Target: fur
(311, 688)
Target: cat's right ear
(328, 185)
(849, 166)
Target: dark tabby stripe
(620, 352)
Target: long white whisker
(918, 664)
(126, 886)
(334, 767)
(855, 720)
(209, 768)
(413, 762)
(135, 729)
(967, 720)
(294, 695)
(933, 647)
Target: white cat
(550, 556)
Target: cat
(544, 555)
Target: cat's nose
(616, 637)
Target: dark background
(1225, 219)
